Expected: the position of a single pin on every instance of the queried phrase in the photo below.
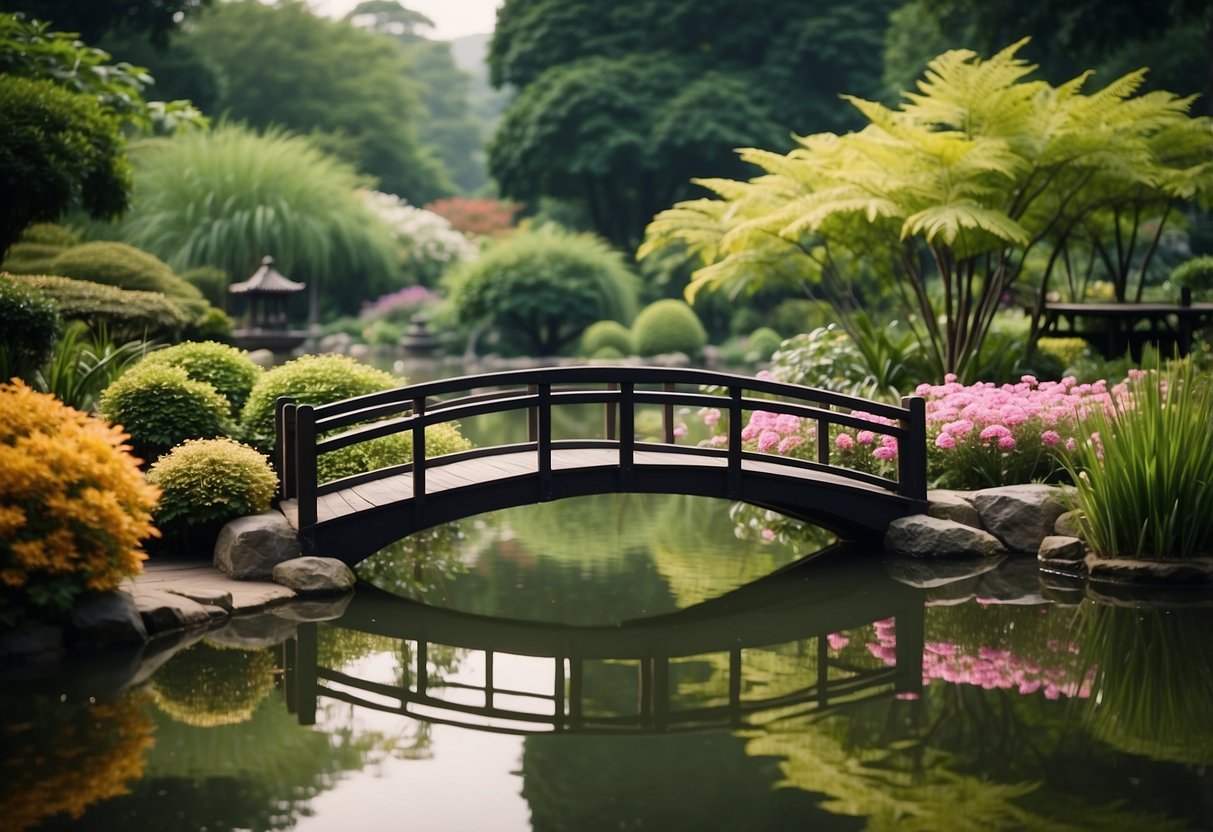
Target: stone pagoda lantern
(266, 325)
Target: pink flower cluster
(990, 669)
(1004, 416)
(788, 435)
(401, 301)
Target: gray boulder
(1020, 515)
(250, 547)
(1069, 524)
(106, 619)
(311, 575)
(1058, 547)
(164, 612)
(953, 505)
(921, 535)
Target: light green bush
(311, 379)
(162, 406)
(1196, 274)
(602, 334)
(206, 482)
(668, 325)
(117, 264)
(31, 258)
(224, 367)
(29, 325)
(762, 343)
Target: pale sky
(452, 18)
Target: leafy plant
(162, 406)
(668, 325)
(1143, 476)
(228, 369)
(84, 363)
(29, 324)
(73, 505)
(1195, 274)
(124, 266)
(207, 482)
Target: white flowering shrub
(426, 242)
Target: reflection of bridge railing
(354, 517)
(776, 612)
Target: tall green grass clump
(1145, 478)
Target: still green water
(625, 662)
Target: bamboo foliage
(949, 194)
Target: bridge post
(609, 429)
(305, 465)
(823, 437)
(912, 459)
(532, 416)
(627, 434)
(284, 445)
(667, 415)
(544, 441)
(734, 450)
(418, 456)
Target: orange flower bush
(73, 504)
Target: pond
(635, 662)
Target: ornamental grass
(1144, 477)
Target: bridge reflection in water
(791, 612)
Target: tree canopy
(95, 18)
(619, 102)
(350, 88)
(947, 197)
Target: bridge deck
(506, 471)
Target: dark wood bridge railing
(304, 432)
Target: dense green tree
(949, 197)
(154, 19)
(283, 65)
(616, 101)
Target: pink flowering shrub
(399, 305)
(983, 434)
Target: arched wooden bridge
(354, 517)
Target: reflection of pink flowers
(837, 641)
(992, 668)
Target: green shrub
(207, 482)
(382, 333)
(211, 281)
(668, 325)
(127, 314)
(602, 334)
(1195, 274)
(213, 324)
(607, 353)
(31, 258)
(797, 315)
(29, 325)
(312, 379)
(73, 506)
(541, 289)
(396, 449)
(225, 368)
(162, 406)
(121, 265)
(1143, 478)
(762, 343)
(48, 233)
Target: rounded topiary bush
(73, 505)
(540, 289)
(396, 449)
(29, 325)
(227, 369)
(207, 482)
(763, 342)
(124, 266)
(602, 334)
(162, 406)
(668, 325)
(311, 379)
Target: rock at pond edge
(921, 535)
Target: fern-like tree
(980, 177)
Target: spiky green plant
(85, 362)
(230, 197)
(1145, 478)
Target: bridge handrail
(300, 428)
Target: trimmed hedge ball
(162, 406)
(602, 334)
(224, 367)
(210, 481)
(668, 325)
